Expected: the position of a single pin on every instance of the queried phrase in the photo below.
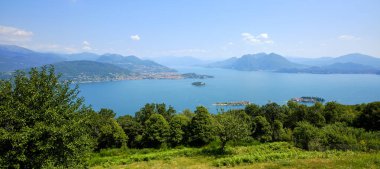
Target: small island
(308, 99)
(238, 103)
(198, 83)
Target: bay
(127, 97)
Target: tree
(370, 118)
(272, 111)
(278, 131)
(232, 127)
(105, 129)
(315, 115)
(252, 110)
(41, 122)
(298, 112)
(332, 112)
(188, 113)
(157, 131)
(145, 112)
(131, 128)
(201, 128)
(305, 135)
(262, 129)
(178, 125)
(153, 108)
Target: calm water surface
(127, 97)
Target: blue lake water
(127, 97)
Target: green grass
(269, 155)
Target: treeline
(45, 124)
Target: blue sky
(208, 29)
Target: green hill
(254, 62)
(134, 63)
(90, 71)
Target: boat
(308, 99)
(198, 83)
(238, 103)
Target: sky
(206, 29)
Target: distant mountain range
(15, 57)
(86, 67)
(94, 67)
(350, 58)
(347, 64)
(178, 61)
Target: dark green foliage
(157, 131)
(145, 112)
(262, 129)
(202, 128)
(252, 110)
(306, 135)
(178, 126)
(315, 115)
(370, 118)
(149, 109)
(105, 129)
(232, 127)
(342, 137)
(272, 112)
(278, 131)
(41, 123)
(132, 129)
(188, 113)
(332, 112)
(298, 112)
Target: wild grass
(268, 155)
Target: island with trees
(44, 124)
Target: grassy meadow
(258, 155)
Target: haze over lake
(127, 97)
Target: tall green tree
(41, 122)
(157, 131)
(232, 127)
(370, 117)
(278, 131)
(132, 129)
(315, 115)
(262, 129)
(105, 129)
(201, 128)
(272, 112)
(178, 126)
(306, 135)
(144, 113)
(252, 110)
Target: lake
(127, 97)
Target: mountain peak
(14, 48)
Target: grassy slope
(270, 155)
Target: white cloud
(262, 38)
(12, 34)
(348, 37)
(135, 37)
(86, 45)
